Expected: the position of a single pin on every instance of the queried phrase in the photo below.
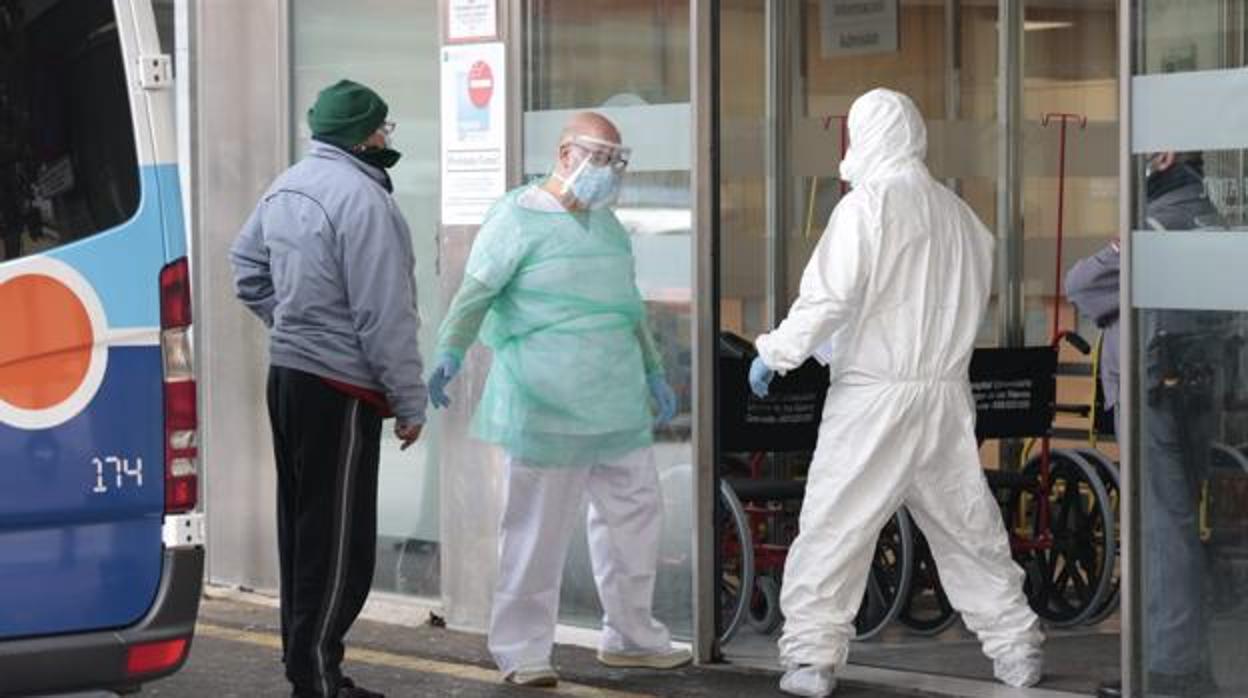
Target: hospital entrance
(735, 112)
(1021, 107)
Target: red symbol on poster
(480, 84)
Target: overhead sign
(471, 20)
(858, 27)
(474, 131)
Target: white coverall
(902, 276)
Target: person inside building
(1178, 420)
(902, 278)
(549, 287)
(326, 262)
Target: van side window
(68, 167)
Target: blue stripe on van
(171, 210)
(123, 264)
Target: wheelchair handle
(1075, 340)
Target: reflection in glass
(1193, 473)
(1192, 464)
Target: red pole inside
(1046, 536)
(1061, 204)
(1061, 211)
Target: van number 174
(116, 471)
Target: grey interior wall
(240, 133)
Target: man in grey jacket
(1178, 417)
(326, 262)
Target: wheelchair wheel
(888, 584)
(736, 552)
(765, 617)
(927, 610)
(1109, 476)
(1228, 458)
(1068, 582)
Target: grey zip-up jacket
(326, 262)
(1092, 285)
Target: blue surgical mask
(594, 186)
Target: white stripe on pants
(539, 515)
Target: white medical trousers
(881, 446)
(539, 517)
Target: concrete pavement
(236, 655)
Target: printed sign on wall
(471, 20)
(474, 131)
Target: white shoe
(539, 677)
(813, 681)
(670, 658)
(1020, 670)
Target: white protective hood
(886, 132)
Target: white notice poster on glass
(471, 20)
(474, 131)
(858, 27)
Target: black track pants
(327, 446)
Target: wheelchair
(1060, 510)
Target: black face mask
(385, 158)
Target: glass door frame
(1129, 516)
(1131, 197)
(704, 67)
(705, 26)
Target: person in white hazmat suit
(550, 287)
(901, 278)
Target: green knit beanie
(346, 113)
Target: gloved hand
(448, 366)
(664, 398)
(760, 377)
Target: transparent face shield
(597, 153)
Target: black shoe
(348, 689)
(1110, 689)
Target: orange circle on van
(45, 342)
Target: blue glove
(664, 398)
(760, 377)
(448, 366)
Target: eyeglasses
(603, 153)
(387, 127)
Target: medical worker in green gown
(574, 391)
